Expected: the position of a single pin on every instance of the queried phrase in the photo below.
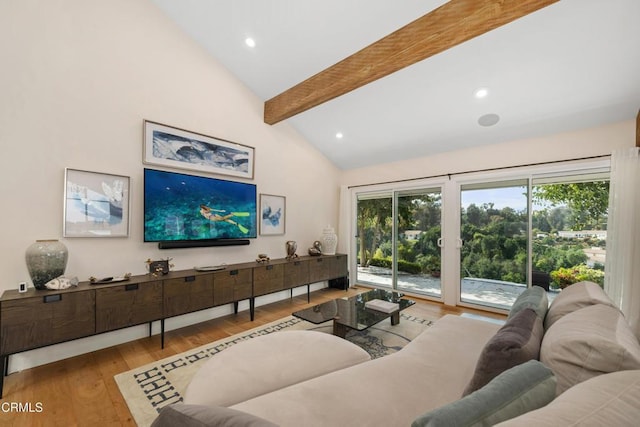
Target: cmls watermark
(17, 407)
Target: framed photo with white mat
(272, 215)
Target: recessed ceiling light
(250, 42)
(488, 120)
(339, 135)
(481, 92)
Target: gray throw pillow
(521, 389)
(185, 415)
(535, 298)
(516, 342)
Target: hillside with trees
(494, 240)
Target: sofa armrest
(607, 400)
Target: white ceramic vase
(329, 241)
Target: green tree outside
(495, 240)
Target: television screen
(189, 208)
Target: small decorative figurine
(161, 266)
(316, 250)
(61, 282)
(291, 249)
(262, 258)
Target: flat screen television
(193, 210)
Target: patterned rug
(151, 387)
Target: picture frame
(95, 204)
(178, 148)
(272, 215)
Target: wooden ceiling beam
(449, 25)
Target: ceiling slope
(443, 28)
(570, 66)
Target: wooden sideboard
(38, 318)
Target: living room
(79, 79)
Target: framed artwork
(95, 204)
(272, 214)
(168, 146)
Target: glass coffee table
(351, 313)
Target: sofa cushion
(607, 400)
(287, 357)
(535, 298)
(516, 342)
(575, 297)
(183, 415)
(430, 371)
(592, 341)
(516, 391)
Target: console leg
(252, 307)
(162, 333)
(308, 293)
(235, 307)
(5, 367)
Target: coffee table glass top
(351, 311)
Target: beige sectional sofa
(573, 363)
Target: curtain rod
(481, 170)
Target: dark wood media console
(38, 318)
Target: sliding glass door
(548, 231)
(418, 250)
(481, 240)
(398, 235)
(569, 230)
(494, 231)
(374, 239)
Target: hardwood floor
(81, 391)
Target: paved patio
(493, 293)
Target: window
(480, 239)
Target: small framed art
(272, 214)
(168, 146)
(95, 204)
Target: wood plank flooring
(81, 391)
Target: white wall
(77, 79)
(565, 146)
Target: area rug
(151, 387)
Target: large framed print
(95, 204)
(272, 214)
(169, 146)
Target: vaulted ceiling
(571, 65)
